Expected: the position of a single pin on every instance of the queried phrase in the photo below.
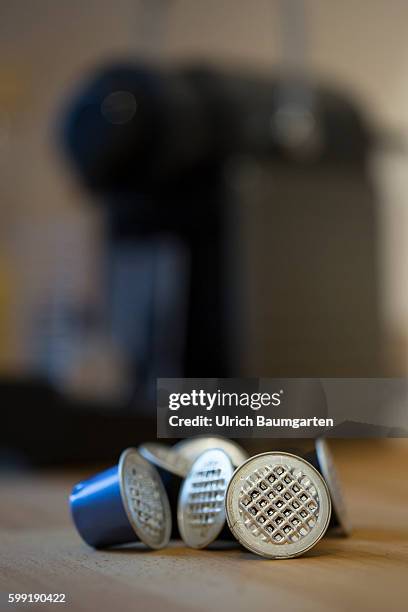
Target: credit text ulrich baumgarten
(219, 399)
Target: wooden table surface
(40, 552)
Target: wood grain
(41, 552)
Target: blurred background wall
(45, 46)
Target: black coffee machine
(241, 222)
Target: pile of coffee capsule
(276, 504)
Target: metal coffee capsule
(172, 467)
(201, 508)
(191, 448)
(277, 505)
(125, 503)
(322, 459)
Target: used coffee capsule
(172, 467)
(123, 504)
(201, 507)
(277, 505)
(322, 459)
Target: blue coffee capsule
(125, 503)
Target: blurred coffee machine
(241, 222)
(240, 231)
(240, 239)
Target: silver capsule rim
(269, 550)
(329, 472)
(138, 459)
(188, 536)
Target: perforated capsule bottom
(279, 504)
(146, 501)
(201, 509)
(206, 497)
